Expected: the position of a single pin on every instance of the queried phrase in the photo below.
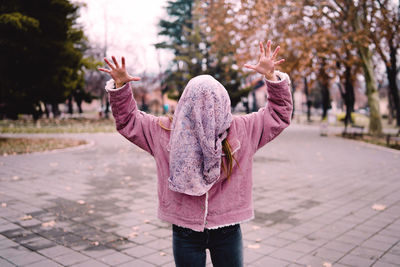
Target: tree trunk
(107, 109)
(391, 72)
(349, 98)
(255, 106)
(46, 110)
(55, 110)
(307, 99)
(70, 108)
(375, 122)
(324, 83)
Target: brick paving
(96, 206)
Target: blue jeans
(225, 245)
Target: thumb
(248, 66)
(134, 79)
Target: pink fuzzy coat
(228, 201)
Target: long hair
(226, 148)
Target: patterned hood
(201, 121)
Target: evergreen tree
(192, 47)
(43, 48)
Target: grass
(66, 125)
(376, 140)
(13, 146)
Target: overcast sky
(132, 30)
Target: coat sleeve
(268, 122)
(135, 125)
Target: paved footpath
(319, 201)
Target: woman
(204, 157)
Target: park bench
(353, 131)
(395, 138)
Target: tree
(42, 46)
(192, 43)
(385, 22)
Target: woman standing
(204, 157)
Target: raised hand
(118, 73)
(267, 62)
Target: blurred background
(341, 55)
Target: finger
(134, 79)
(123, 62)
(279, 61)
(115, 62)
(262, 50)
(275, 52)
(268, 52)
(248, 66)
(104, 70)
(109, 63)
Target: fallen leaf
(163, 254)
(3, 205)
(327, 264)
(258, 240)
(81, 202)
(133, 235)
(96, 243)
(378, 207)
(26, 218)
(49, 224)
(146, 221)
(253, 246)
(127, 178)
(91, 211)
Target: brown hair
(226, 148)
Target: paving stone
(115, 259)
(250, 256)
(158, 258)
(97, 251)
(5, 263)
(302, 247)
(340, 246)
(356, 261)
(384, 264)
(136, 263)
(55, 251)
(159, 244)
(310, 260)
(44, 263)
(391, 258)
(377, 245)
(368, 253)
(90, 263)
(139, 251)
(13, 252)
(269, 261)
(70, 258)
(286, 254)
(327, 254)
(27, 258)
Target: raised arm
(269, 121)
(135, 125)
